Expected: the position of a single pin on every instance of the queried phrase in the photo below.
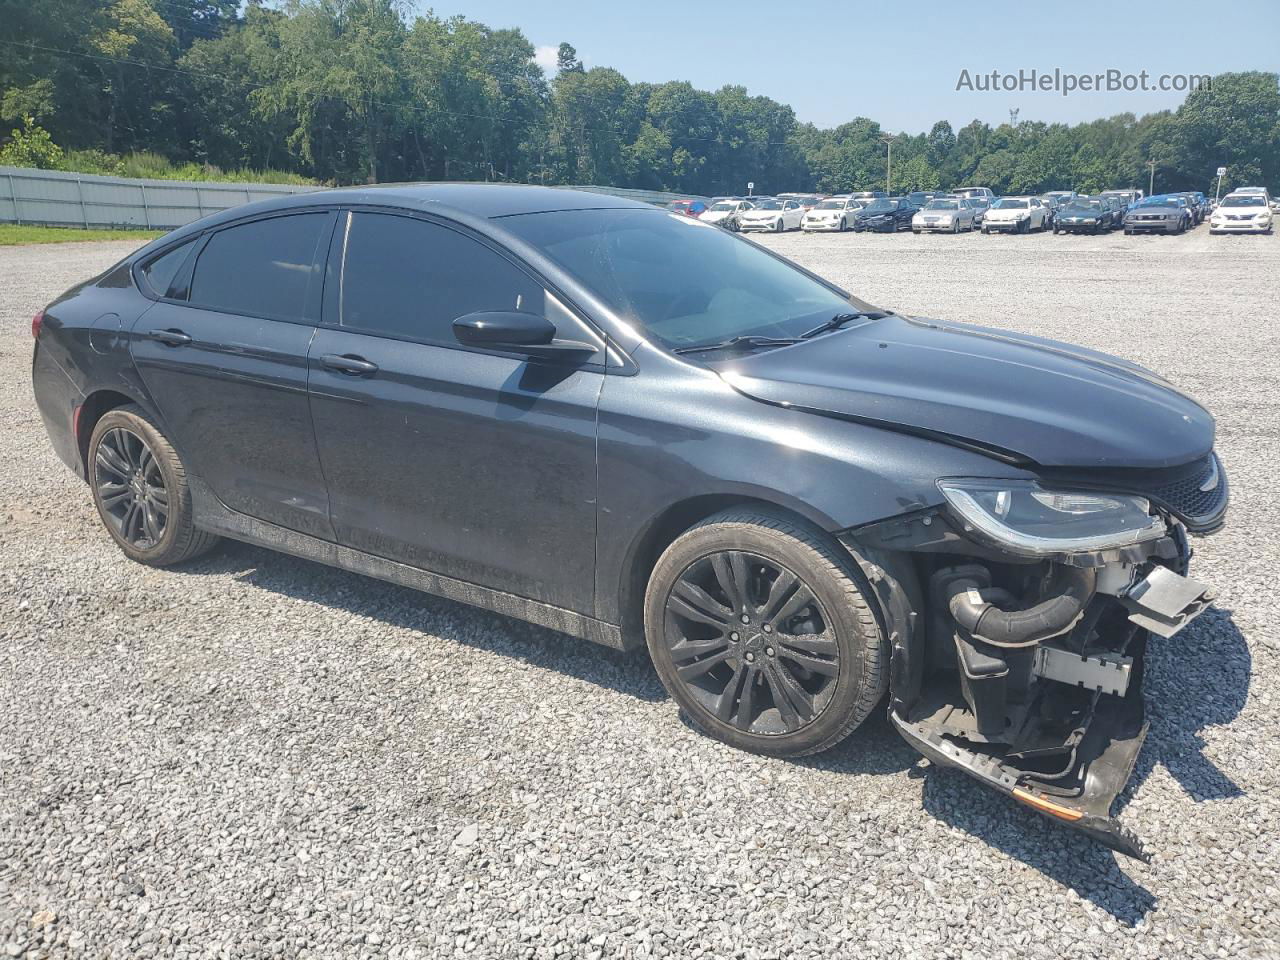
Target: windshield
(723, 206)
(1252, 200)
(879, 206)
(684, 282)
(943, 205)
(831, 205)
(769, 205)
(1008, 203)
(1084, 206)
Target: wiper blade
(840, 319)
(740, 342)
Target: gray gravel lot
(257, 756)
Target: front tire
(759, 630)
(140, 488)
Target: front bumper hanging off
(1056, 723)
(1082, 799)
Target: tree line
(354, 91)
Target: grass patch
(12, 235)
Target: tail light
(36, 323)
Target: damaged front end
(1018, 619)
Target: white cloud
(546, 57)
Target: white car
(949, 214)
(1017, 215)
(1242, 213)
(833, 213)
(771, 214)
(725, 213)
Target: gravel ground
(257, 756)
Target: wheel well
(660, 534)
(91, 411)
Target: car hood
(760, 214)
(1007, 213)
(1022, 397)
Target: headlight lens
(1028, 519)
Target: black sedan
(645, 431)
(1085, 215)
(886, 215)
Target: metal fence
(55, 198)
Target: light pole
(887, 139)
(1151, 184)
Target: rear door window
(261, 269)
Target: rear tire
(806, 666)
(139, 486)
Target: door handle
(174, 338)
(351, 365)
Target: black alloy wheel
(751, 642)
(140, 488)
(131, 488)
(759, 629)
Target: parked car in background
(689, 208)
(773, 214)
(724, 213)
(1053, 202)
(805, 508)
(1126, 196)
(980, 207)
(920, 198)
(1118, 209)
(944, 214)
(885, 215)
(1201, 203)
(1016, 215)
(984, 193)
(1159, 214)
(1060, 198)
(1085, 215)
(866, 196)
(1242, 213)
(832, 214)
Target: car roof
(465, 200)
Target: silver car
(947, 214)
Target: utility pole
(1151, 184)
(887, 139)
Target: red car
(690, 208)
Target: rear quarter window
(159, 273)
(262, 269)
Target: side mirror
(526, 333)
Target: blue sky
(899, 63)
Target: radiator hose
(1074, 587)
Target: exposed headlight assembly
(1025, 518)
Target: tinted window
(161, 271)
(260, 268)
(411, 278)
(684, 281)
